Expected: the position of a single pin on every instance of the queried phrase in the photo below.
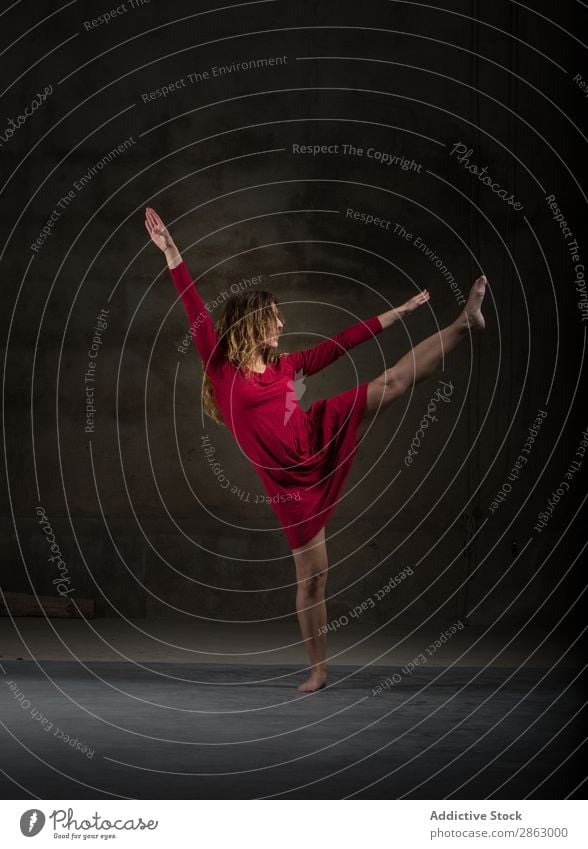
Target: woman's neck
(258, 365)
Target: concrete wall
(142, 523)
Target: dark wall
(141, 520)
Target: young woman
(302, 458)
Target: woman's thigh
(311, 558)
(375, 402)
(381, 392)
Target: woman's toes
(473, 311)
(312, 684)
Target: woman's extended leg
(311, 575)
(422, 360)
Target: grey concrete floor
(490, 724)
(187, 731)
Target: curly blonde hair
(247, 320)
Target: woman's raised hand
(413, 303)
(157, 230)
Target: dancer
(302, 458)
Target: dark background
(141, 520)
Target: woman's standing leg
(311, 576)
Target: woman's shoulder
(219, 365)
(283, 361)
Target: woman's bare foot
(472, 312)
(316, 681)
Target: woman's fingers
(156, 228)
(420, 299)
(155, 217)
(151, 216)
(154, 232)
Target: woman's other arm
(397, 313)
(320, 356)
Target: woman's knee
(397, 382)
(388, 387)
(313, 584)
(311, 567)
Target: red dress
(303, 458)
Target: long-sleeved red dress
(303, 458)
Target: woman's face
(272, 341)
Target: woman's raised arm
(201, 324)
